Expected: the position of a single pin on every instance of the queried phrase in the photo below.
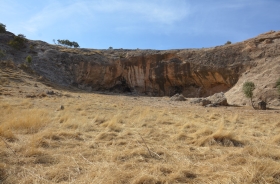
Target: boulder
(50, 92)
(211, 105)
(196, 100)
(218, 99)
(205, 102)
(262, 105)
(178, 97)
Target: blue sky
(144, 24)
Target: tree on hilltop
(68, 43)
(2, 28)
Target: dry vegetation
(86, 52)
(99, 138)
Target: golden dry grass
(100, 138)
(87, 52)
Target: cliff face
(193, 72)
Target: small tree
(248, 88)
(278, 85)
(75, 44)
(21, 36)
(18, 42)
(2, 28)
(68, 43)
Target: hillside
(192, 72)
(68, 117)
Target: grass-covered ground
(109, 138)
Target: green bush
(2, 28)
(2, 53)
(18, 42)
(248, 88)
(278, 85)
(28, 60)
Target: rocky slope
(192, 72)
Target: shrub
(248, 88)
(228, 43)
(22, 36)
(28, 60)
(18, 42)
(2, 28)
(278, 85)
(68, 43)
(2, 53)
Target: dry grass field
(109, 138)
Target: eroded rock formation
(192, 72)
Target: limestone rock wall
(192, 72)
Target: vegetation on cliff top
(68, 43)
(2, 28)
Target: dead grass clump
(80, 51)
(8, 135)
(53, 139)
(263, 151)
(4, 81)
(106, 136)
(117, 175)
(138, 155)
(99, 119)
(41, 142)
(147, 179)
(189, 128)
(45, 159)
(6, 109)
(45, 139)
(72, 123)
(236, 159)
(221, 138)
(33, 152)
(3, 172)
(44, 144)
(202, 132)
(114, 124)
(28, 121)
(64, 117)
(264, 172)
(58, 175)
(135, 111)
(182, 136)
(165, 170)
(276, 140)
(68, 135)
(183, 177)
(26, 103)
(214, 116)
